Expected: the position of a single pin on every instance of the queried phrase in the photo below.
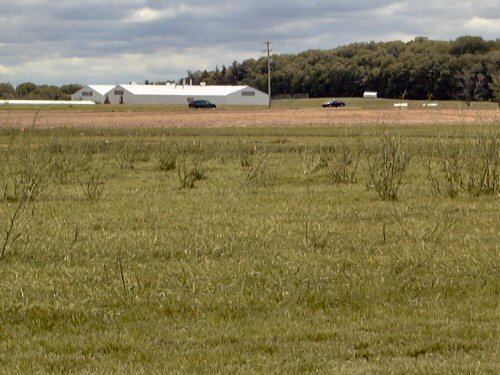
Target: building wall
(129, 98)
(82, 94)
(237, 98)
(243, 98)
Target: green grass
(351, 103)
(360, 103)
(287, 273)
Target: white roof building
(183, 94)
(95, 93)
(45, 102)
(370, 95)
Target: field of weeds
(243, 251)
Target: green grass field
(266, 265)
(351, 103)
(360, 103)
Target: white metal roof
(186, 90)
(46, 102)
(102, 89)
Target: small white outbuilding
(95, 93)
(183, 94)
(370, 95)
(46, 102)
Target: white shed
(370, 95)
(46, 102)
(183, 94)
(95, 93)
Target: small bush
(388, 165)
(29, 172)
(93, 183)
(448, 178)
(470, 167)
(188, 170)
(131, 153)
(344, 164)
(255, 174)
(313, 161)
(482, 160)
(167, 155)
(245, 152)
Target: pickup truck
(202, 103)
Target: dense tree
(25, 89)
(419, 69)
(70, 89)
(470, 44)
(29, 90)
(7, 91)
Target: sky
(120, 41)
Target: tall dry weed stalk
(313, 161)
(255, 173)
(29, 172)
(14, 217)
(245, 153)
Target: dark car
(201, 104)
(333, 103)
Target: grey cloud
(32, 30)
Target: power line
(268, 50)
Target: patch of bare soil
(244, 118)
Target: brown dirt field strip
(244, 118)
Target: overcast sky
(110, 41)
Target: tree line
(29, 90)
(465, 69)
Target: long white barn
(183, 94)
(172, 94)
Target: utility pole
(268, 50)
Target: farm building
(95, 93)
(370, 95)
(183, 94)
(46, 102)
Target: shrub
(188, 170)
(450, 169)
(388, 165)
(29, 172)
(255, 173)
(93, 183)
(131, 153)
(482, 160)
(344, 164)
(167, 155)
(470, 167)
(245, 152)
(313, 161)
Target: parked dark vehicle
(333, 103)
(201, 104)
